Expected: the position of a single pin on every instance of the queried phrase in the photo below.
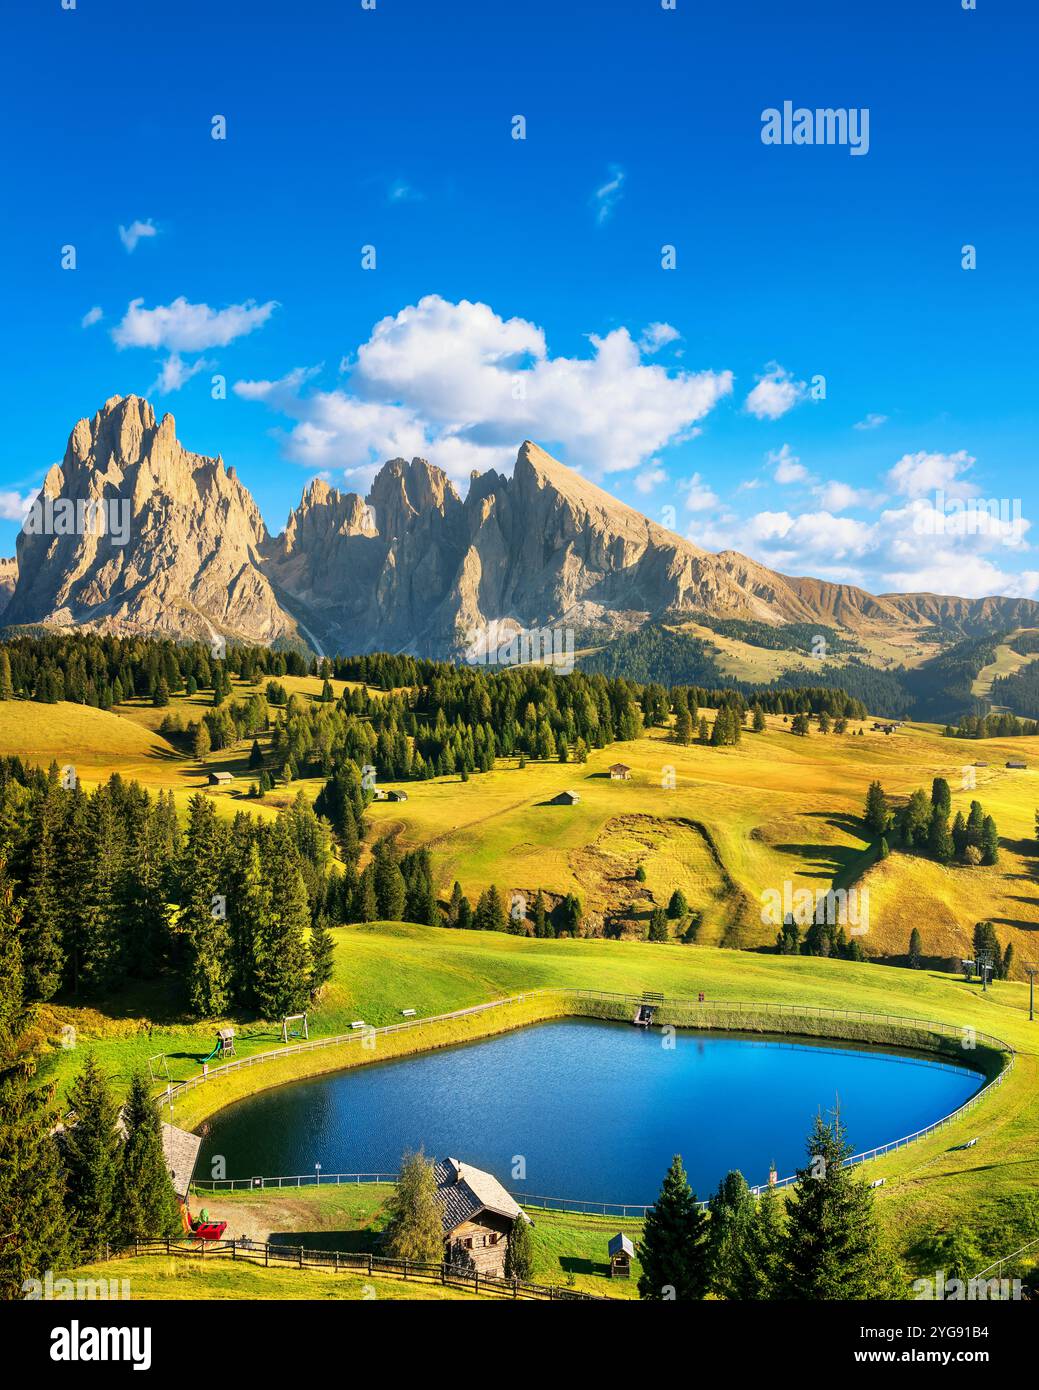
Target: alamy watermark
(971, 516)
(501, 643)
(804, 125)
(838, 907)
(83, 516)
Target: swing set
(294, 1026)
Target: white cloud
(649, 478)
(13, 505)
(606, 197)
(463, 386)
(787, 467)
(92, 316)
(185, 327)
(871, 422)
(699, 497)
(655, 336)
(776, 392)
(836, 496)
(174, 372)
(402, 192)
(915, 475)
(137, 231)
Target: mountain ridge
(412, 566)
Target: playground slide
(203, 1060)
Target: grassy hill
(722, 824)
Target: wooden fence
(344, 1261)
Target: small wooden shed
(1017, 762)
(620, 772)
(622, 1252)
(567, 798)
(396, 796)
(220, 779)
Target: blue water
(595, 1109)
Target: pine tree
(366, 907)
(759, 1263)
(832, 1248)
(201, 743)
(255, 757)
(915, 949)
(658, 925)
(281, 977)
(32, 1181)
(540, 915)
(43, 954)
(941, 795)
(415, 1230)
(390, 889)
(203, 912)
(989, 841)
(146, 1205)
(6, 685)
(732, 1210)
(673, 1247)
(939, 840)
(322, 948)
(91, 1161)
(876, 809)
(683, 726)
(758, 723)
(677, 907)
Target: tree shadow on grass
(576, 1264)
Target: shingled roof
(463, 1192)
(181, 1151)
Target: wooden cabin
(220, 779)
(477, 1216)
(620, 772)
(1017, 762)
(622, 1252)
(396, 796)
(567, 798)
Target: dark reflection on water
(594, 1109)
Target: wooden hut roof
(463, 1192)
(621, 1245)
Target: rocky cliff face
(132, 533)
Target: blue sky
(518, 287)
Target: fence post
(301, 1257)
(266, 1254)
(369, 1262)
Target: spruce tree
(366, 907)
(281, 977)
(677, 907)
(832, 1248)
(32, 1180)
(146, 1205)
(540, 916)
(756, 1275)
(876, 809)
(915, 949)
(322, 948)
(673, 1247)
(91, 1144)
(203, 912)
(732, 1210)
